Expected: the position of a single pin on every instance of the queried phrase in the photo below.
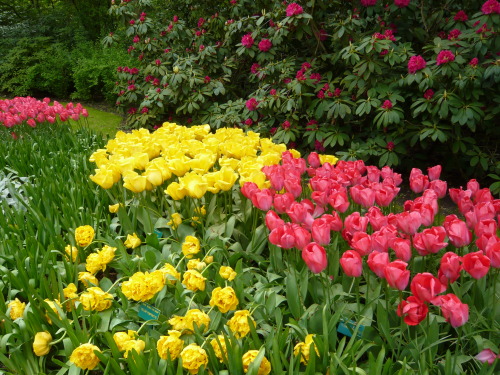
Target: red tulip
(249, 189)
(351, 263)
(440, 187)
(355, 223)
(457, 231)
(320, 197)
(486, 226)
(282, 202)
(426, 287)
(457, 194)
(299, 213)
(397, 275)
(409, 222)
(449, 270)
(476, 264)
(376, 217)
(363, 196)
(402, 248)
(493, 252)
(434, 172)
(419, 183)
(377, 263)
(334, 221)
(302, 236)
(273, 220)
(362, 243)
(454, 311)
(484, 241)
(372, 173)
(315, 257)
(426, 213)
(338, 200)
(430, 240)
(473, 186)
(276, 175)
(483, 195)
(413, 310)
(262, 199)
(313, 160)
(294, 186)
(321, 231)
(388, 174)
(283, 236)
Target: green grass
(103, 122)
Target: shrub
(411, 80)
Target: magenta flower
(454, 34)
(402, 3)
(461, 16)
(265, 45)
(252, 104)
(247, 41)
(487, 355)
(368, 3)
(444, 57)
(490, 7)
(294, 9)
(387, 104)
(428, 94)
(254, 69)
(416, 63)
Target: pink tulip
(283, 236)
(276, 175)
(454, 311)
(476, 264)
(487, 227)
(397, 275)
(282, 201)
(376, 217)
(321, 231)
(402, 248)
(273, 220)
(377, 263)
(338, 200)
(473, 186)
(355, 223)
(302, 236)
(426, 287)
(294, 186)
(334, 221)
(361, 242)
(387, 173)
(262, 199)
(409, 222)
(351, 263)
(426, 213)
(430, 240)
(249, 189)
(483, 195)
(385, 194)
(493, 252)
(487, 355)
(457, 231)
(449, 270)
(314, 256)
(440, 187)
(465, 204)
(363, 196)
(434, 172)
(372, 173)
(313, 160)
(484, 241)
(419, 183)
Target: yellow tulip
(176, 191)
(194, 185)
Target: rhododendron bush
(388, 82)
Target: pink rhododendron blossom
(428, 94)
(461, 16)
(368, 3)
(247, 41)
(416, 63)
(265, 45)
(252, 104)
(490, 7)
(387, 104)
(454, 34)
(293, 9)
(444, 57)
(402, 3)
(474, 62)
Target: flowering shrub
(353, 78)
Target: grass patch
(103, 122)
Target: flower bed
(310, 268)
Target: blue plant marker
(148, 312)
(347, 327)
(158, 233)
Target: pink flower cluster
(247, 41)
(491, 7)
(387, 35)
(402, 3)
(416, 63)
(265, 45)
(444, 57)
(307, 224)
(32, 111)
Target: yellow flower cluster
(97, 261)
(125, 341)
(249, 357)
(41, 344)
(84, 356)
(303, 349)
(190, 246)
(224, 298)
(71, 253)
(202, 161)
(193, 280)
(220, 347)
(186, 323)
(170, 345)
(238, 324)
(95, 299)
(193, 357)
(142, 286)
(132, 241)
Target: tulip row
(32, 111)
